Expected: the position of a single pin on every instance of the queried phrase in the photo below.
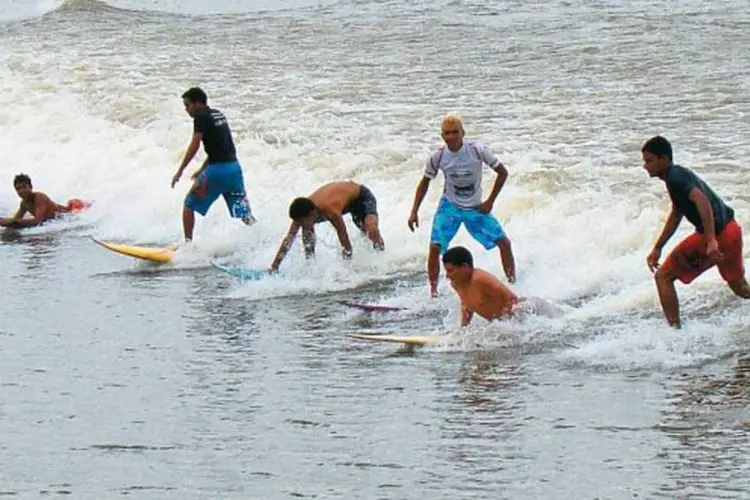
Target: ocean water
(121, 378)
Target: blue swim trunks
(484, 228)
(217, 179)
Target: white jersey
(462, 171)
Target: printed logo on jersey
(463, 183)
(219, 119)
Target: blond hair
(451, 121)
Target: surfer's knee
(740, 288)
(664, 276)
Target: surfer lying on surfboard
(38, 204)
(484, 294)
(329, 203)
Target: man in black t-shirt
(220, 174)
(717, 240)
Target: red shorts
(688, 260)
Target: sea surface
(124, 379)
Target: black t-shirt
(680, 181)
(217, 138)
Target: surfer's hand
(176, 178)
(712, 250)
(653, 259)
(195, 174)
(413, 221)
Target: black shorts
(364, 205)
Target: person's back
(40, 203)
(486, 295)
(329, 203)
(335, 197)
(217, 136)
(680, 181)
(479, 291)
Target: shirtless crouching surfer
(36, 203)
(483, 293)
(331, 202)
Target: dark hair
(195, 94)
(21, 179)
(458, 256)
(658, 146)
(301, 207)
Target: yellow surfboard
(412, 340)
(160, 255)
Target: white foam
(11, 10)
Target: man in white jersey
(461, 162)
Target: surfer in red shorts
(717, 240)
(38, 204)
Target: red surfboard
(370, 307)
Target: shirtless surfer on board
(38, 204)
(483, 293)
(331, 202)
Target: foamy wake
(569, 249)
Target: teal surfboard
(241, 272)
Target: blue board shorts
(220, 179)
(484, 228)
